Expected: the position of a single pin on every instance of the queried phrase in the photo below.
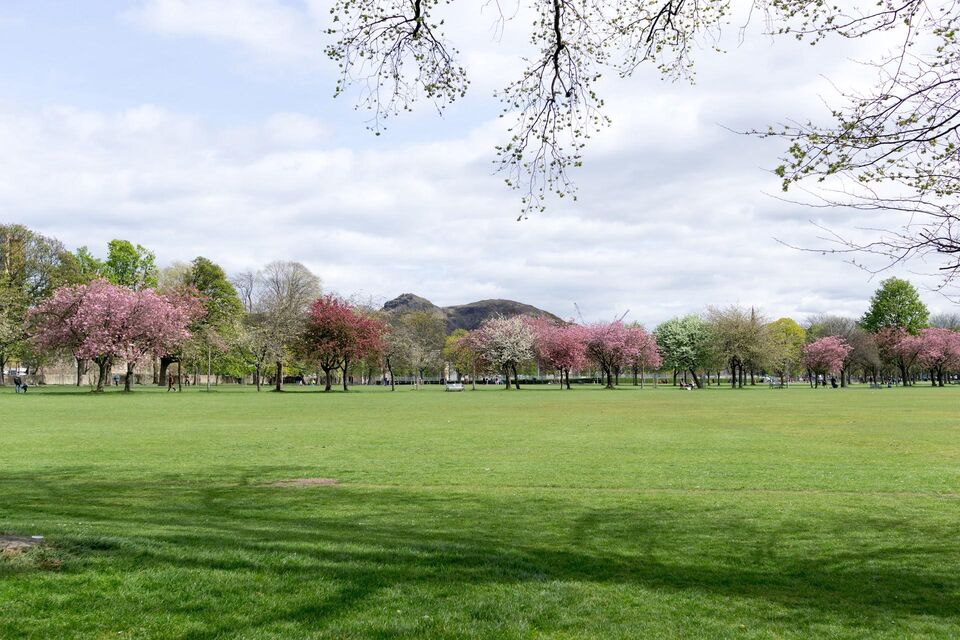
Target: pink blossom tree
(610, 345)
(826, 355)
(900, 349)
(338, 334)
(643, 352)
(939, 352)
(506, 343)
(104, 322)
(559, 346)
(157, 324)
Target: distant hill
(465, 316)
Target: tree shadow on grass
(362, 541)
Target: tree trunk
(346, 365)
(753, 381)
(103, 364)
(3, 369)
(675, 372)
(279, 382)
(516, 378)
(506, 373)
(257, 376)
(80, 371)
(733, 374)
(393, 386)
(327, 380)
(128, 380)
(843, 377)
(696, 380)
(643, 374)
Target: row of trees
(277, 322)
(894, 340)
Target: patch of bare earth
(15, 545)
(305, 482)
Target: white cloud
(426, 217)
(296, 129)
(269, 28)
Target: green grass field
(534, 514)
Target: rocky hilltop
(465, 316)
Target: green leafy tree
(896, 305)
(685, 344)
(785, 340)
(31, 267)
(128, 265)
(739, 338)
(131, 266)
(89, 267)
(219, 327)
(457, 353)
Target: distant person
(17, 383)
(25, 386)
(171, 383)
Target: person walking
(170, 383)
(17, 383)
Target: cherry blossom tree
(644, 353)
(157, 324)
(505, 343)
(337, 334)
(899, 348)
(610, 345)
(559, 346)
(939, 352)
(826, 355)
(104, 322)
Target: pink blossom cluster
(939, 350)
(559, 346)
(826, 355)
(103, 322)
(337, 334)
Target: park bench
(454, 386)
(776, 384)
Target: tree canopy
(890, 147)
(896, 304)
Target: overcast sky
(208, 127)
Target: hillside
(465, 316)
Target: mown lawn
(541, 513)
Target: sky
(209, 127)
